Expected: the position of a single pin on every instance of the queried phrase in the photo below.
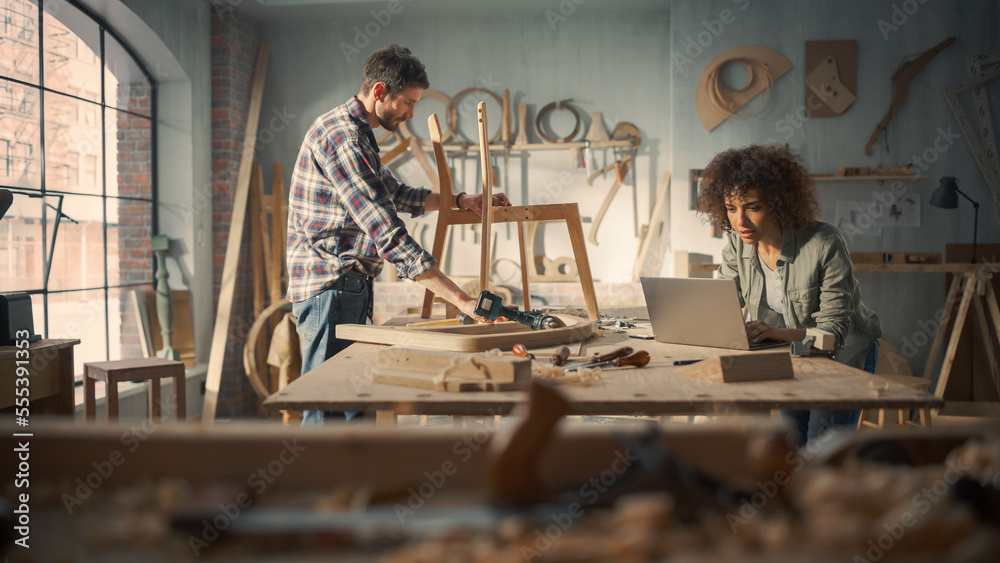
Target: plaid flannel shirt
(343, 205)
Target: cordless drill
(490, 306)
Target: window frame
(102, 108)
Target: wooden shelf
(474, 147)
(864, 178)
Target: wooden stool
(918, 383)
(113, 373)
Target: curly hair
(774, 171)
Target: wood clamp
(562, 105)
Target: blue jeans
(813, 423)
(348, 300)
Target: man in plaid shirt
(343, 210)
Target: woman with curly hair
(792, 271)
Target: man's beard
(389, 122)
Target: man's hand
(475, 202)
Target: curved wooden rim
(250, 348)
(453, 113)
(563, 105)
(470, 338)
(449, 116)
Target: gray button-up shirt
(818, 283)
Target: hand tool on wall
(560, 105)
(490, 306)
(901, 80)
(522, 124)
(622, 131)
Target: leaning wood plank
(743, 367)
(942, 329)
(279, 220)
(260, 260)
(956, 335)
(651, 232)
(469, 338)
(138, 298)
(218, 352)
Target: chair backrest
(444, 173)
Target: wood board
(449, 371)
(742, 367)
(712, 117)
(217, 355)
(845, 60)
(344, 383)
(470, 338)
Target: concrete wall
(172, 40)
(628, 67)
(616, 64)
(923, 132)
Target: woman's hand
(758, 331)
(475, 202)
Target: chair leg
(89, 396)
(155, 414)
(572, 216)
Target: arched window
(78, 150)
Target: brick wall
(131, 241)
(234, 52)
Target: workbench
(344, 383)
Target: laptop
(698, 312)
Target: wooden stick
(956, 335)
(942, 329)
(521, 247)
(662, 196)
(279, 220)
(522, 125)
(506, 135)
(444, 214)
(260, 241)
(487, 173)
(395, 151)
(626, 166)
(221, 332)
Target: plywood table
(344, 383)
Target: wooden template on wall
(831, 81)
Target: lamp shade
(946, 194)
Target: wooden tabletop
(344, 382)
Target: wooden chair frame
(448, 216)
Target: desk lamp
(946, 197)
